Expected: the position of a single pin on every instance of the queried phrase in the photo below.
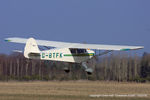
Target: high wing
(75, 45)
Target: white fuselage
(32, 51)
(65, 55)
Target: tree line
(114, 67)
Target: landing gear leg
(88, 70)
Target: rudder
(31, 49)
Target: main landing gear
(87, 69)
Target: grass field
(70, 90)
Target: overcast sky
(124, 22)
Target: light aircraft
(65, 51)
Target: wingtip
(135, 48)
(140, 47)
(7, 40)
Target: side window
(81, 51)
(84, 50)
(77, 51)
(73, 51)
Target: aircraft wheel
(67, 70)
(89, 73)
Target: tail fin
(31, 49)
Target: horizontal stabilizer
(18, 51)
(31, 55)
